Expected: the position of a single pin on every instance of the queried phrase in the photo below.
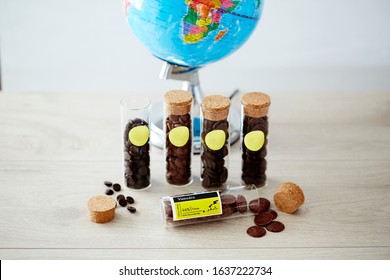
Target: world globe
(192, 33)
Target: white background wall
(300, 45)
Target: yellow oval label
(254, 140)
(215, 139)
(179, 136)
(139, 135)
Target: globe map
(192, 32)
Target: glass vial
(135, 118)
(178, 137)
(215, 142)
(254, 132)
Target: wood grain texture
(56, 150)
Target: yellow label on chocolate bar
(192, 206)
(179, 136)
(215, 139)
(254, 140)
(139, 135)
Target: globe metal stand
(189, 77)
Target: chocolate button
(242, 204)
(109, 192)
(263, 218)
(259, 205)
(108, 183)
(129, 199)
(228, 199)
(274, 214)
(256, 231)
(122, 202)
(116, 187)
(275, 226)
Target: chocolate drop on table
(274, 213)
(259, 205)
(116, 187)
(108, 183)
(263, 218)
(256, 231)
(131, 209)
(122, 202)
(129, 199)
(109, 192)
(275, 226)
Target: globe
(192, 33)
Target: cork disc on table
(101, 209)
(215, 107)
(178, 102)
(256, 104)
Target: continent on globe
(204, 16)
(192, 33)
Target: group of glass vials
(215, 142)
(218, 201)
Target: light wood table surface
(57, 149)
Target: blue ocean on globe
(192, 32)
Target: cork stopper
(101, 209)
(178, 102)
(215, 107)
(289, 197)
(256, 104)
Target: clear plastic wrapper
(208, 206)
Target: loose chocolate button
(129, 199)
(256, 231)
(108, 183)
(259, 205)
(275, 226)
(120, 196)
(264, 204)
(274, 214)
(131, 209)
(263, 218)
(116, 187)
(122, 202)
(109, 192)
